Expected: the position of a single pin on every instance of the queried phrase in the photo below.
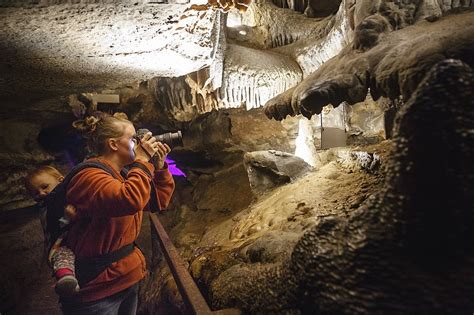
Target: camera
(172, 139)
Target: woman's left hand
(162, 151)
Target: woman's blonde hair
(46, 169)
(100, 127)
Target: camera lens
(172, 139)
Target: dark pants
(122, 303)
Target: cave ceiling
(59, 49)
(52, 49)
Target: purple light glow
(174, 170)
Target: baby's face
(42, 184)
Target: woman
(110, 210)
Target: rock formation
(368, 64)
(269, 169)
(406, 249)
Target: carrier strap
(87, 269)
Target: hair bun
(120, 115)
(86, 125)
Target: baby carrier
(89, 268)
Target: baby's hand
(70, 212)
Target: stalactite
(265, 75)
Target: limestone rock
(270, 169)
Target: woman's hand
(161, 153)
(150, 147)
(146, 148)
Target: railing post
(156, 251)
(192, 297)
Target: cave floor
(269, 227)
(41, 298)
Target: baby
(39, 183)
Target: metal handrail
(188, 289)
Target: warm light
(305, 148)
(167, 61)
(234, 19)
(134, 42)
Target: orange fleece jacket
(115, 207)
